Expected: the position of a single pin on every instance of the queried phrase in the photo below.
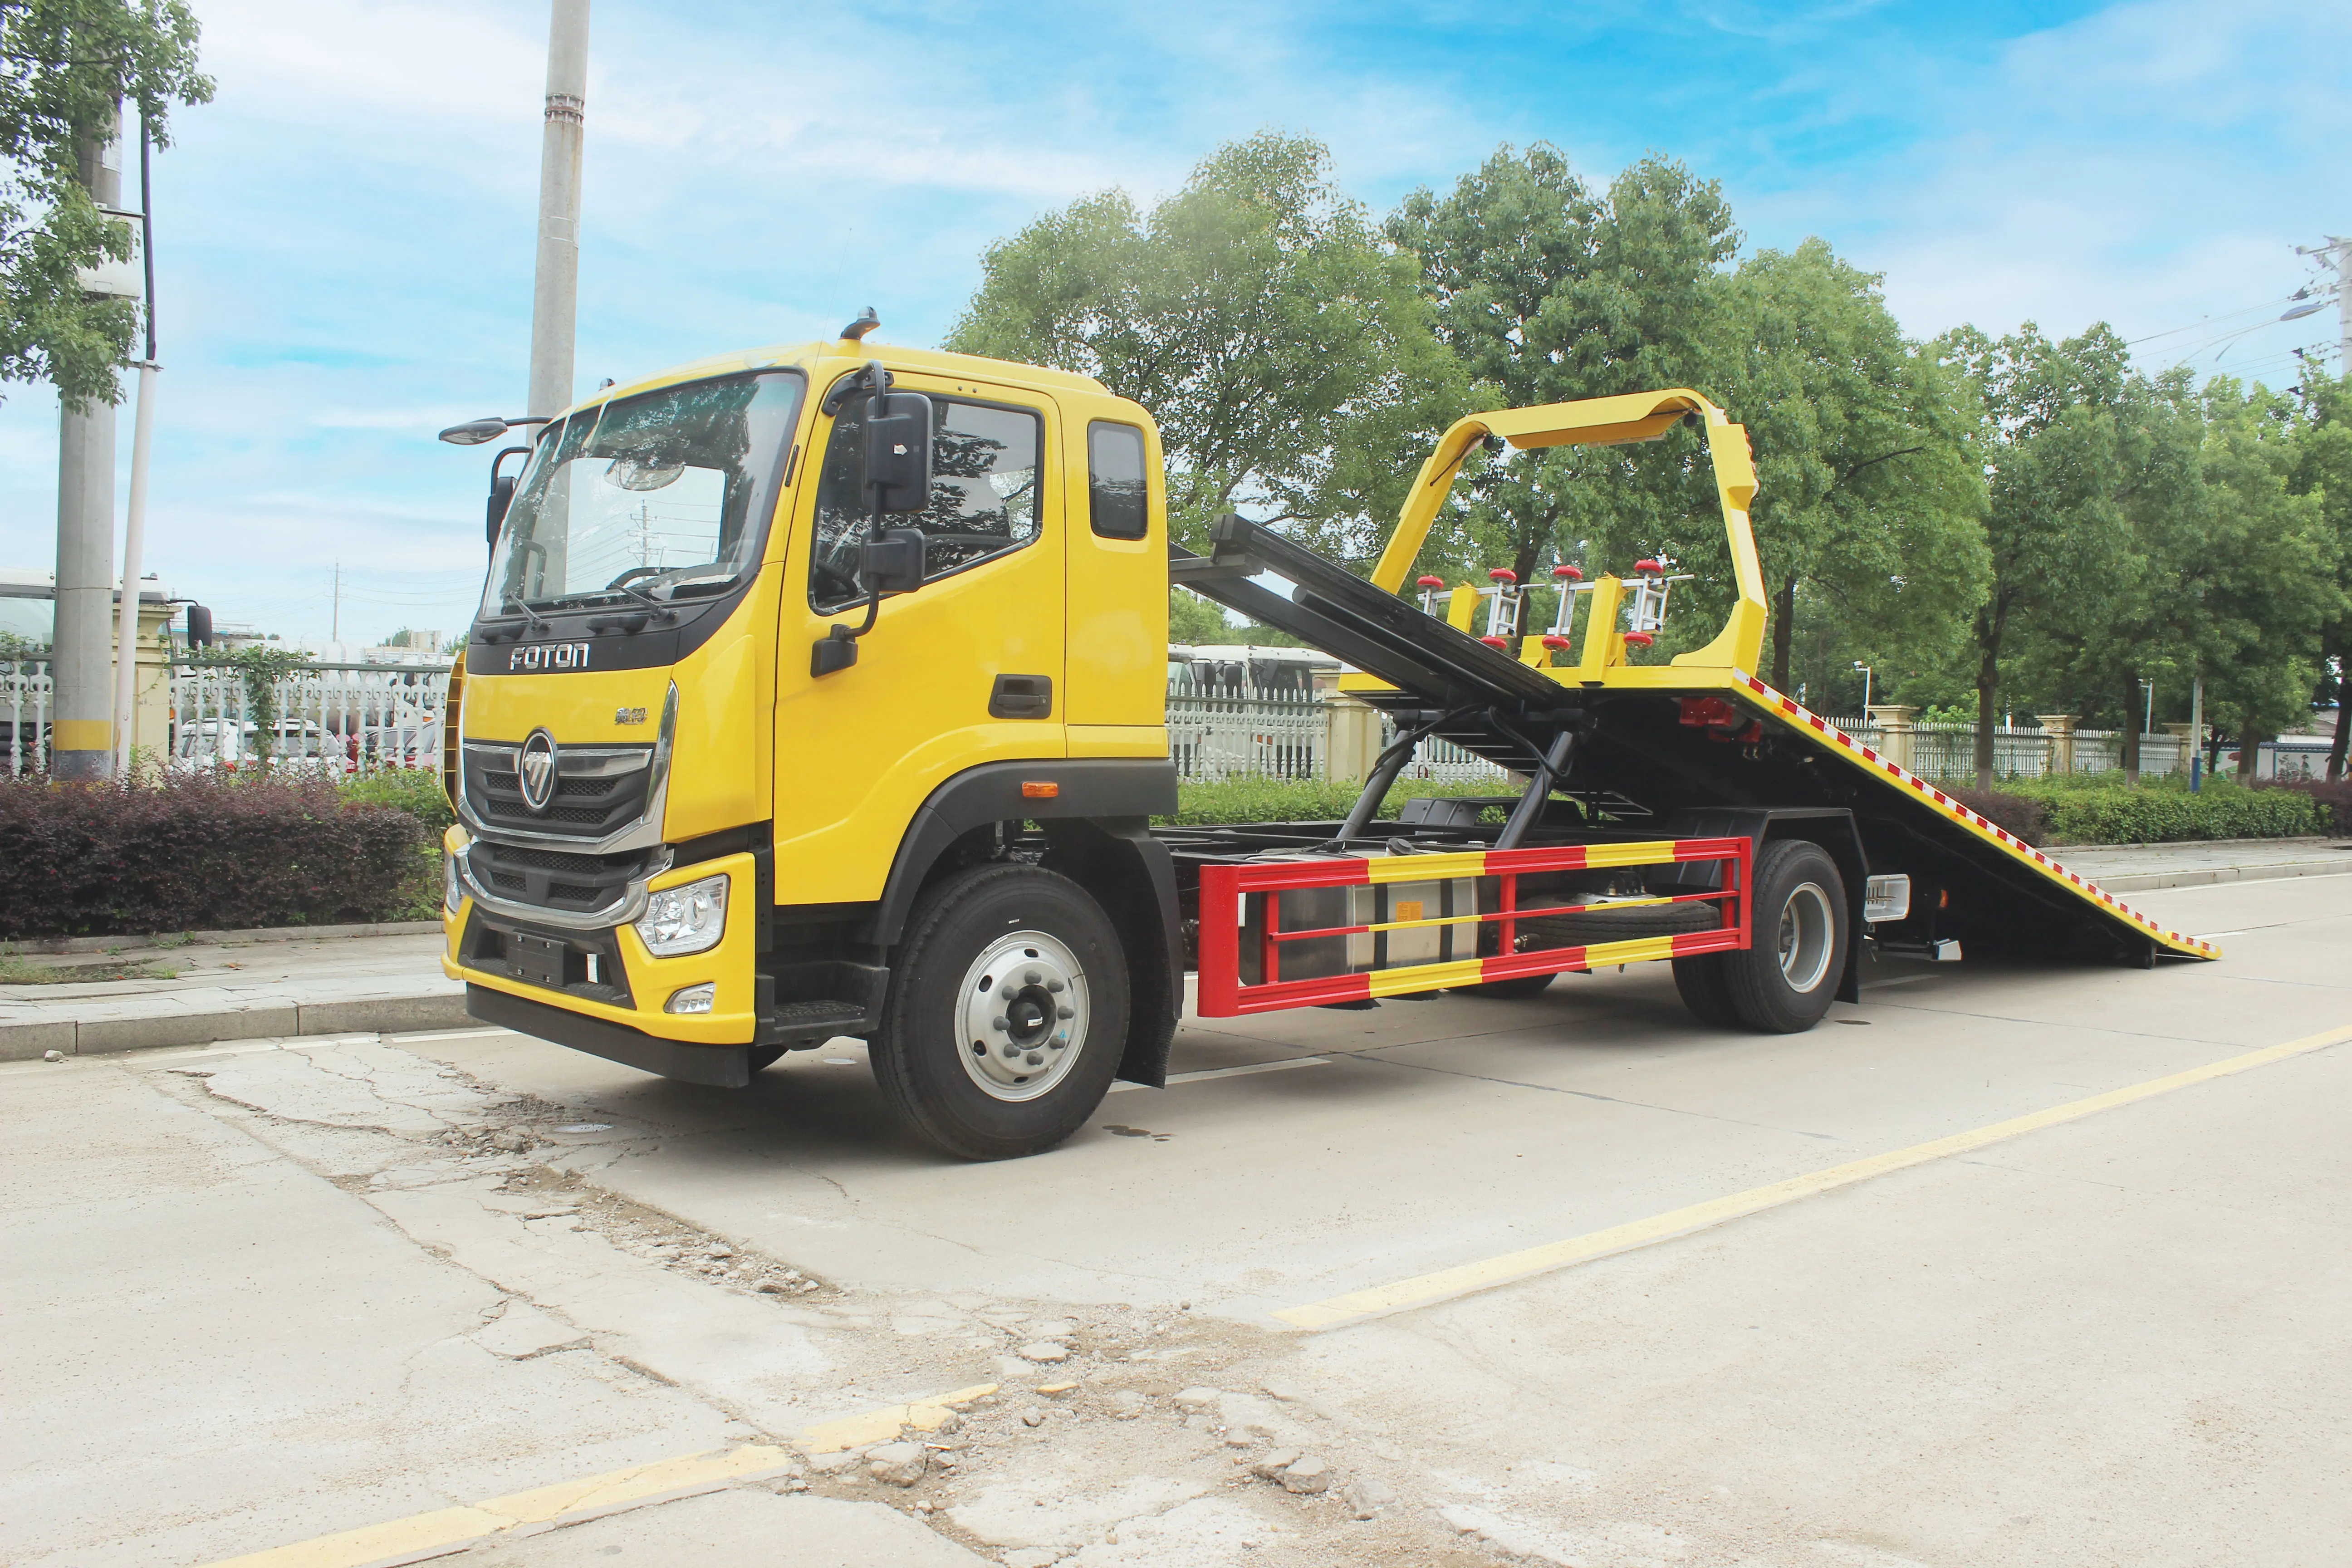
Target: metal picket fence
(1218, 731)
(1948, 751)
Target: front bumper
(475, 943)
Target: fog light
(453, 892)
(679, 921)
(693, 999)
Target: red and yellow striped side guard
(1788, 711)
(1224, 891)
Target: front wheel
(1007, 1015)
(1785, 983)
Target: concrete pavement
(291, 1289)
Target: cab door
(969, 668)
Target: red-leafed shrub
(2335, 800)
(2024, 817)
(204, 852)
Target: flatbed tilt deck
(946, 851)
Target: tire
(1022, 1092)
(1785, 984)
(1706, 990)
(1621, 925)
(1518, 988)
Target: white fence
(2019, 750)
(334, 718)
(24, 693)
(358, 718)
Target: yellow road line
(451, 1526)
(1423, 1289)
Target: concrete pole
(134, 521)
(555, 296)
(81, 732)
(2342, 305)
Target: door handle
(1021, 697)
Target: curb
(54, 944)
(380, 1015)
(2212, 875)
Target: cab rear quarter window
(1118, 502)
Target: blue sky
(344, 236)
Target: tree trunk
(2250, 750)
(2343, 713)
(1988, 693)
(2131, 729)
(1784, 629)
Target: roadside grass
(16, 970)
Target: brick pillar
(1894, 732)
(2184, 743)
(2059, 729)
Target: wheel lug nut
(1036, 1060)
(1054, 986)
(1000, 1024)
(1065, 1013)
(1011, 1052)
(1031, 978)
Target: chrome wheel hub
(1021, 1019)
(1808, 934)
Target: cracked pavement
(264, 1291)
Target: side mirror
(502, 489)
(893, 562)
(898, 451)
(502, 493)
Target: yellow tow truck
(820, 691)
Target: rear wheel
(1007, 1015)
(1705, 988)
(1785, 983)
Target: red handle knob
(1649, 565)
(1432, 583)
(1502, 574)
(1576, 572)
(1639, 639)
(1496, 642)
(1555, 643)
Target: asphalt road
(262, 1294)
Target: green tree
(2322, 471)
(1282, 348)
(67, 67)
(1192, 619)
(1867, 491)
(2049, 445)
(1547, 292)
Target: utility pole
(81, 734)
(134, 521)
(555, 294)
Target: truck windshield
(667, 495)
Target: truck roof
(809, 357)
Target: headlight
(453, 892)
(679, 921)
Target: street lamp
(1865, 684)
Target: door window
(1115, 480)
(985, 477)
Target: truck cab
(691, 835)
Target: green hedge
(1301, 800)
(416, 790)
(2100, 810)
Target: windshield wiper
(662, 612)
(511, 602)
